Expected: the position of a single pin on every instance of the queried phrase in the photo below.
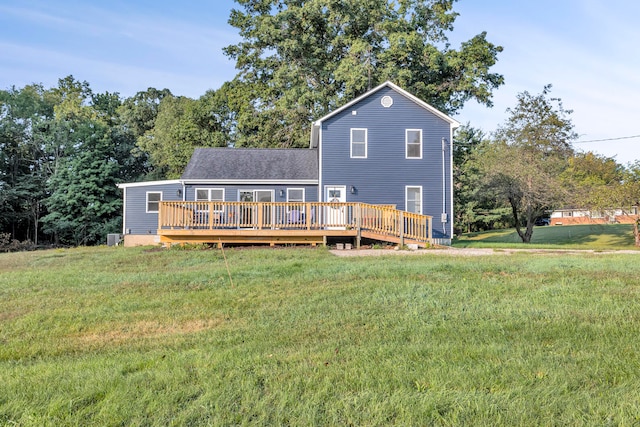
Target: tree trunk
(529, 233)
(526, 236)
(636, 232)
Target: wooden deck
(288, 223)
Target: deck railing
(379, 219)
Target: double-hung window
(358, 143)
(210, 195)
(153, 201)
(413, 197)
(201, 214)
(413, 138)
(295, 195)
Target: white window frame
(406, 197)
(209, 190)
(146, 208)
(366, 142)
(406, 144)
(296, 201)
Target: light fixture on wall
(281, 193)
(179, 192)
(353, 190)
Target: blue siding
(138, 221)
(381, 177)
(136, 217)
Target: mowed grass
(591, 236)
(113, 336)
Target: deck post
(210, 216)
(358, 225)
(260, 215)
(429, 222)
(401, 227)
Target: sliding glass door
(249, 215)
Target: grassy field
(593, 236)
(113, 336)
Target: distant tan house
(574, 216)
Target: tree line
(64, 149)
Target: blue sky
(587, 49)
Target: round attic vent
(386, 101)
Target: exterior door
(249, 214)
(265, 196)
(335, 216)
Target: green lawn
(594, 236)
(113, 336)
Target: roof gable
(257, 164)
(453, 123)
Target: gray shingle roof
(252, 163)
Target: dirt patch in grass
(143, 330)
(10, 315)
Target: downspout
(451, 130)
(320, 177)
(443, 218)
(124, 211)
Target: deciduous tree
(24, 114)
(472, 211)
(523, 162)
(182, 125)
(300, 59)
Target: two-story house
(378, 165)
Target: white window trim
(146, 206)
(406, 197)
(366, 143)
(208, 190)
(304, 195)
(273, 193)
(406, 144)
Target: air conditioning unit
(113, 239)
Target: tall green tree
(24, 114)
(591, 180)
(137, 116)
(522, 165)
(299, 59)
(84, 204)
(473, 213)
(87, 155)
(182, 125)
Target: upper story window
(413, 143)
(153, 201)
(358, 143)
